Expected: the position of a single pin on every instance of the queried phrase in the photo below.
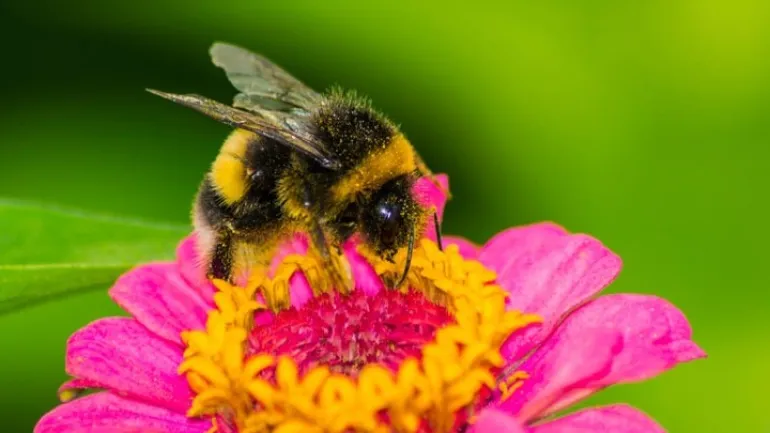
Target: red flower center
(346, 332)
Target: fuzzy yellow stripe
(395, 159)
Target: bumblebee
(328, 165)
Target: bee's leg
(319, 241)
(331, 264)
(439, 241)
(410, 249)
(222, 258)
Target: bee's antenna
(409, 251)
(438, 231)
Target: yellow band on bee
(395, 159)
(228, 173)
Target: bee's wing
(263, 83)
(295, 137)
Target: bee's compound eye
(390, 220)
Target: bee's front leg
(332, 264)
(221, 264)
(335, 266)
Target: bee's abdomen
(210, 208)
(242, 185)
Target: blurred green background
(646, 124)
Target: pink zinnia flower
(487, 339)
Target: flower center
(415, 359)
(345, 333)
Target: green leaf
(47, 252)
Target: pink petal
(655, 337)
(567, 360)
(548, 273)
(297, 244)
(161, 300)
(76, 386)
(430, 195)
(193, 269)
(615, 419)
(495, 421)
(363, 273)
(509, 244)
(299, 288)
(468, 249)
(300, 291)
(120, 354)
(613, 339)
(107, 413)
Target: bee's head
(390, 215)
